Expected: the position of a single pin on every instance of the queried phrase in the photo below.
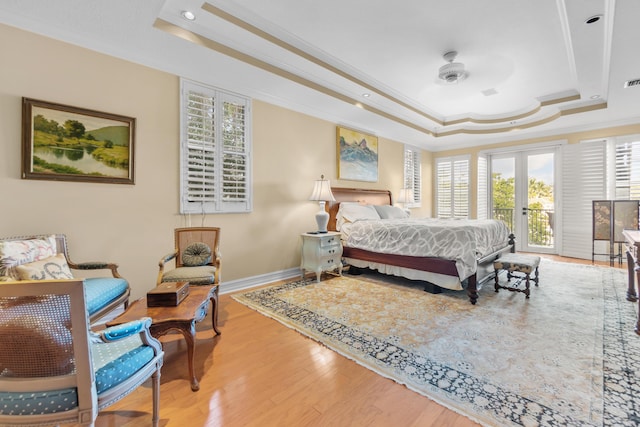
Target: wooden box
(168, 294)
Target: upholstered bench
(516, 263)
(40, 257)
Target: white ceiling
(534, 68)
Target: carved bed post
(472, 289)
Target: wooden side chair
(196, 257)
(54, 370)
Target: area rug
(565, 357)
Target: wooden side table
(632, 241)
(321, 252)
(182, 318)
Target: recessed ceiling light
(366, 95)
(595, 96)
(188, 15)
(593, 19)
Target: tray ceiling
(533, 68)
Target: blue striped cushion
(38, 403)
(117, 361)
(122, 368)
(100, 291)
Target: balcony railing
(540, 224)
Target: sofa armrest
(165, 259)
(95, 265)
(135, 327)
(168, 257)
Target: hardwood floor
(261, 373)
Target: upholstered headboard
(361, 195)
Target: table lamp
(405, 197)
(322, 194)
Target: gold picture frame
(65, 143)
(357, 154)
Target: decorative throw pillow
(391, 212)
(54, 267)
(18, 252)
(355, 211)
(196, 254)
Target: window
(452, 187)
(413, 175)
(584, 179)
(483, 187)
(606, 169)
(215, 162)
(627, 171)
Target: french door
(523, 194)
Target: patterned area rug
(565, 357)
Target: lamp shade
(405, 196)
(322, 194)
(322, 191)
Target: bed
(454, 266)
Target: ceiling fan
(453, 72)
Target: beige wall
(571, 138)
(133, 224)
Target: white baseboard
(252, 282)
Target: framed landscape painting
(357, 155)
(64, 143)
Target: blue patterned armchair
(42, 257)
(54, 369)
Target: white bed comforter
(461, 240)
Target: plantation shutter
(461, 188)
(452, 187)
(215, 162)
(444, 178)
(584, 167)
(483, 188)
(413, 175)
(627, 172)
(235, 155)
(200, 151)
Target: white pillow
(391, 212)
(353, 211)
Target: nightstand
(321, 252)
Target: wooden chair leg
(155, 386)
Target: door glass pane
(540, 199)
(503, 189)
